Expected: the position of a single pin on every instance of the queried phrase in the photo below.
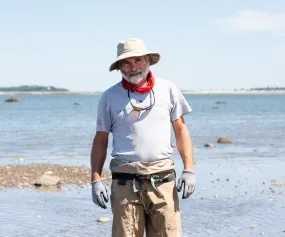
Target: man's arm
(98, 154)
(184, 143)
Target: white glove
(99, 194)
(188, 181)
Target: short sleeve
(180, 105)
(103, 115)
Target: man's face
(134, 69)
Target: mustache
(135, 73)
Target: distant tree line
(32, 88)
(268, 89)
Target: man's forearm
(98, 157)
(185, 148)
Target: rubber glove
(99, 194)
(188, 181)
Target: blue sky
(203, 44)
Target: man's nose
(133, 67)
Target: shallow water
(243, 186)
(234, 189)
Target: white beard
(136, 77)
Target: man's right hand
(99, 194)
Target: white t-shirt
(141, 135)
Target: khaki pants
(155, 211)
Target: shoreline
(201, 92)
(25, 176)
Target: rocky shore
(44, 176)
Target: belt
(158, 177)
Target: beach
(240, 186)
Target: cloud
(252, 20)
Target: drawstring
(140, 193)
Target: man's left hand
(188, 181)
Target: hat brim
(154, 58)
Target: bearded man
(139, 112)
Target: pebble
(217, 196)
(261, 233)
(104, 219)
(252, 226)
(209, 145)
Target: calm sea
(50, 128)
(234, 189)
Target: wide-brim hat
(133, 47)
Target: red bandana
(142, 89)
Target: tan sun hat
(133, 47)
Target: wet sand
(234, 197)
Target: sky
(204, 45)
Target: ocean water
(234, 189)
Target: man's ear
(147, 58)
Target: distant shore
(200, 92)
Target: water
(51, 129)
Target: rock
(47, 180)
(221, 102)
(212, 173)
(75, 103)
(12, 100)
(252, 226)
(261, 233)
(224, 140)
(209, 145)
(278, 184)
(104, 219)
(217, 196)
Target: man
(139, 112)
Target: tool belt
(162, 177)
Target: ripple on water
(72, 213)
